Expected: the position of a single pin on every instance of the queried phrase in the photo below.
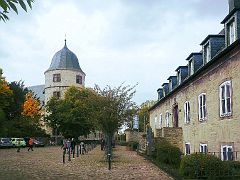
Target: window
(170, 85)
(179, 77)
(191, 67)
(187, 112)
(226, 153)
(56, 94)
(56, 78)
(155, 122)
(203, 148)
(167, 119)
(231, 32)
(225, 99)
(202, 106)
(78, 79)
(207, 53)
(160, 121)
(187, 148)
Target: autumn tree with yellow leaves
(31, 106)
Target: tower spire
(65, 45)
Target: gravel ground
(46, 163)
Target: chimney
(160, 93)
(233, 4)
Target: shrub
(167, 154)
(133, 145)
(233, 167)
(202, 166)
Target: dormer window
(78, 79)
(207, 53)
(231, 32)
(56, 77)
(191, 67)
(170, 85)
(179, 77)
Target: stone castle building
(198, 108)
(63, 73)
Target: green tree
(143, 115)
(115, 107)
(8, 5)
(19, 92)
(73, 115)
(6, 98)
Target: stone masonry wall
(215, 131)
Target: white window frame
(203, 148)
(232, 31)
(191, 67)
(78, 79)
(187, 112)
(225, 100)
(167, 119)
(57, 77)
(179, 77)
(227, 148)
(187, 144)
(207, 52)
(160, 121)
(202, 108)
(155, 122)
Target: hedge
(203, 166)
(167, 154)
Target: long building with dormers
(198, 109)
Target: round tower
(63, 72)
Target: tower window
(78, 79)
(56, 77)
(56, 94)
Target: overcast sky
(131, 41)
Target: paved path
(46, 163)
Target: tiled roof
(38, 90)
(64, 59)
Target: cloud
(115, 41)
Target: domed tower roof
(65, 59)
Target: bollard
(80, 149)
(64, 152)
(77, 150)
(109, 161)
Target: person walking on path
(69, 145)
(30, 142)
(73, 144)
(102, 144)
(18, 145)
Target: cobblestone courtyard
(46, 163)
